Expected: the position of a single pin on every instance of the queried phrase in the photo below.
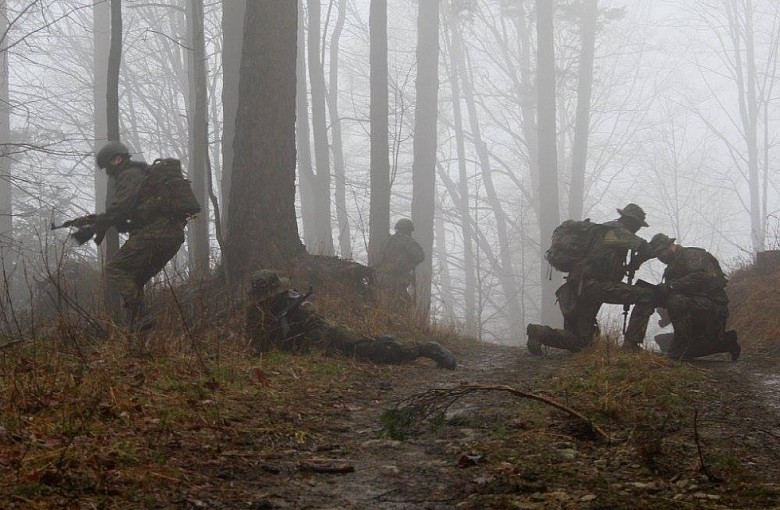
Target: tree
(379, 221)
(233, 12)
(101, 37)
(321, 240)
(198, 238)
(262, 228)
(549, 214)
(6, 210)
(424, 165)
(582, 127)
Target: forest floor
(110, 427)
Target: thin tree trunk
(198, 231)
(379, 221)
(424, 148)
(233, 12)
(6, 208)
(111, 295)
(306, 179)
(339, 167)
(549, 213)
(463, 202)
(579, 155)
(323, 241)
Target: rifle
(631, 271)
(292, 305)
(86, 226)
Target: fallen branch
(710, 476)
(437, 401)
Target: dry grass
(754, 308)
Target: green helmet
(108, 151)
(404, 225)
(266, 283)
(659, 243)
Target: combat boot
(534, 344)
(443, 357)
(733, 343)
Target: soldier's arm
(702, 276)
(417, 252)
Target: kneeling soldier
(280, 318)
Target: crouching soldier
(279, 317)
(694, 294)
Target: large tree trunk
(424, 147)
(579, 157)
(379, 221)
(323, 235)
(233, 33)
(262, 229)
(339, 170)
(111, 294)
(549, 212)
(198, 238)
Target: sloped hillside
(754, 294)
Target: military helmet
(266, 283)
(635, 212)
(659, 243)
(404, 225)
(108, 151)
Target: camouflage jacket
(606, 259)
(399, 256)
(130, 178)
(694, 271)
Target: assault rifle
(86, 226)
(630, 271)
(295, 303)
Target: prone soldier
(279, 317)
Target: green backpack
(167, 192)
(571, 242)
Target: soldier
(694, 294)
(281, 318)
(395, 265)
(597, 279)
(155, 221)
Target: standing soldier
(395, 266)
(595, 279)
(153, 204)
(694, 294)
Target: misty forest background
(487, 122)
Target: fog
(683, 120)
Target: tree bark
(198, 231)
(579, 157)
(379, 221)
(549, 213)
(339, 167)
(233, 12)
(424, 148)
(6, 208)
(322, 242)
(262, 229)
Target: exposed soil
(281, 441)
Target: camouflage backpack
(167, 192)
(571, 241)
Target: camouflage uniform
(280, 318)
(596, 281)
(395, 265)
(694, 295)
(153, 240)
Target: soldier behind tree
(279, 317)
(596, 280)
(395, 265)
(155, 231)
(694, 294)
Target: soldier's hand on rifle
(100, 227)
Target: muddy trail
(493, 452)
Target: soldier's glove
(101, 226)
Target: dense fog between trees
(487, 122)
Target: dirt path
(424, 471)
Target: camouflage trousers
(699, 326)
(142, 256)
(580, 302)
